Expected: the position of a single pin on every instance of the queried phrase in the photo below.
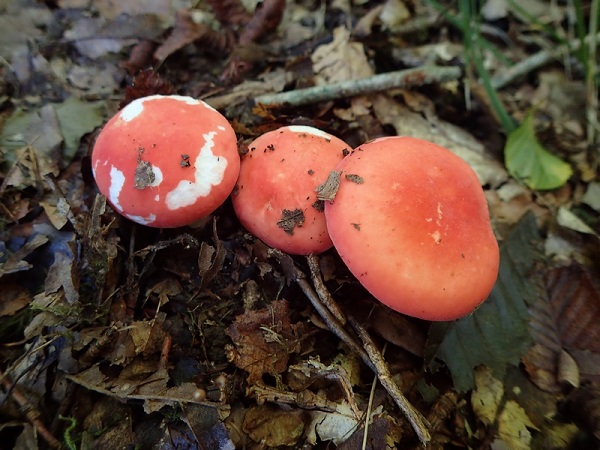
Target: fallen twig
(322, 291)
(534, 62)
(368, 352)
(32, 414)
(332, 322)
(416, 419)
(419, 76)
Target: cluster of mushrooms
(408, 217)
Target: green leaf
(496, 333)
(528, 161)
(77, 118)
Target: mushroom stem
(369, 353)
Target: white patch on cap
(309, 130)
(158, 176)
(142, 220)
(136, 107)
(210, 170)
(439, 214)
(157, 198)
(436, 235)
(132, 110)
(117, 181)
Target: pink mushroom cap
(166, 161)
(275, 197)
(411, 222)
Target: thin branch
(369, 354)
(333, 324)
(591, 77)
(399, 79)
(418, 422)
(322, 291)
(536, 61)
(370, 407)
(32, 414)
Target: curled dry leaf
(230, 12)
(565, 321)
(265, 20)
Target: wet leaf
(38, 129)
(528, 161)
(496, 333)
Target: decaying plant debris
(114, 335)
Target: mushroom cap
(166, 161)
(411, 222)
(275, 197)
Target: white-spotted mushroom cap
(411, 222)
(166, 161)
(275, 196)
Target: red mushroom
(275, 194)
(411, 222)
(166, 161)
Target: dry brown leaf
(398, 330)
(57, 209)
(272, 81)
(148, 336)
(393, 14)
(210, 260)
(14, 298)
(165, 289)
(140, 380)
(266, 18)
(263, 340)
(164, 9)
(274, 426)
(185, 32)
(15, 262)
(230, 12)
(63, 274)
(565, 322)
(341, 59)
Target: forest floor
(115, 335)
